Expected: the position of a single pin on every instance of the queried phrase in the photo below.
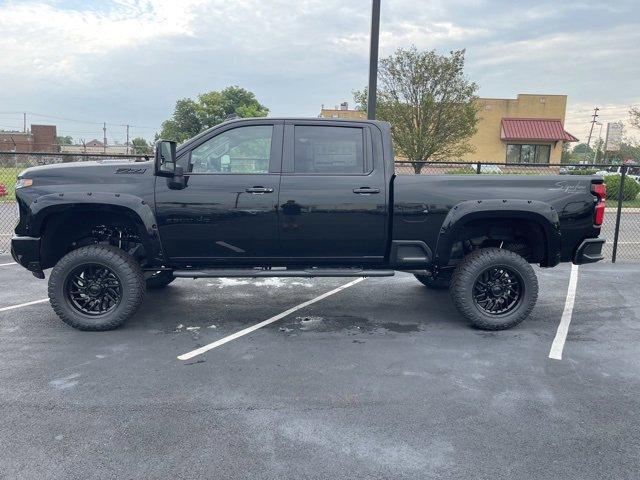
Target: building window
(528, 153)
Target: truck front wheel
(494, 289)
(97, 287)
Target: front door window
(240, 150)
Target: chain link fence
(621, 225)
(11, 164)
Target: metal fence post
(478, 168)
(623, 175)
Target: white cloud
(579, 116)
(42, 39)
(129, 60)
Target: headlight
(24, 182)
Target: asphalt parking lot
(380, 380)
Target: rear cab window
(323, 150)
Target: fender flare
(133, 206)
(536, 211)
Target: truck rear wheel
(494, 289)
(97, 287)
(159, 279)
(438, 283)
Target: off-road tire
(468, 271)
(439, 283)
(120, 263)
(159, 279)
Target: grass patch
(613, 202)
(8, 179)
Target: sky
(127, 61)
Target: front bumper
(26, 251)
(589, 251)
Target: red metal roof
(535, 129)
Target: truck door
(333, 194)
(228, 211)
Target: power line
(75, 120)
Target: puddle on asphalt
(352, 325)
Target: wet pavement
(380, 380)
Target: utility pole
(127, 143)
(373, 60)
(24, 122)
(104, 137)
(595, 157)
(593, 122)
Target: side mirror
(165, 158)
(178, 181)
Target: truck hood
(75, 170)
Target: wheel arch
(57, 218)
(540, 218)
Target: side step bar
(257, 273)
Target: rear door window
(327, 150)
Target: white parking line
(7, 264)
(222, 341)
(12, 307)
(563, 328)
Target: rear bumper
(26, 251)
(589, 251)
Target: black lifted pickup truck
(296, 198)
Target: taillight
(600, 191)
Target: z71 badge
(131, 171)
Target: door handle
(259, 190)
(366, 190)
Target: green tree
(429, 102)
(580, 149)
(141, 146)
(635, 116)
(66, 140)
(191, 117)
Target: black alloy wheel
(96, 287)
(93, 289)
(497, 290)
(494, 288)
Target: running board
(256, 273)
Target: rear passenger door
(333, 194)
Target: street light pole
(373, 60)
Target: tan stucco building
(527, 129)
(342, 112)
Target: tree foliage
(191, 117)
(141, 146)
(635, 116)
(429, 102)
(66, 140)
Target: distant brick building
(41, 138)
(16, 142)
(95, 146)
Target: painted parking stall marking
(563, 328)
(7, 264)
(13, 307)
(253, 328)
